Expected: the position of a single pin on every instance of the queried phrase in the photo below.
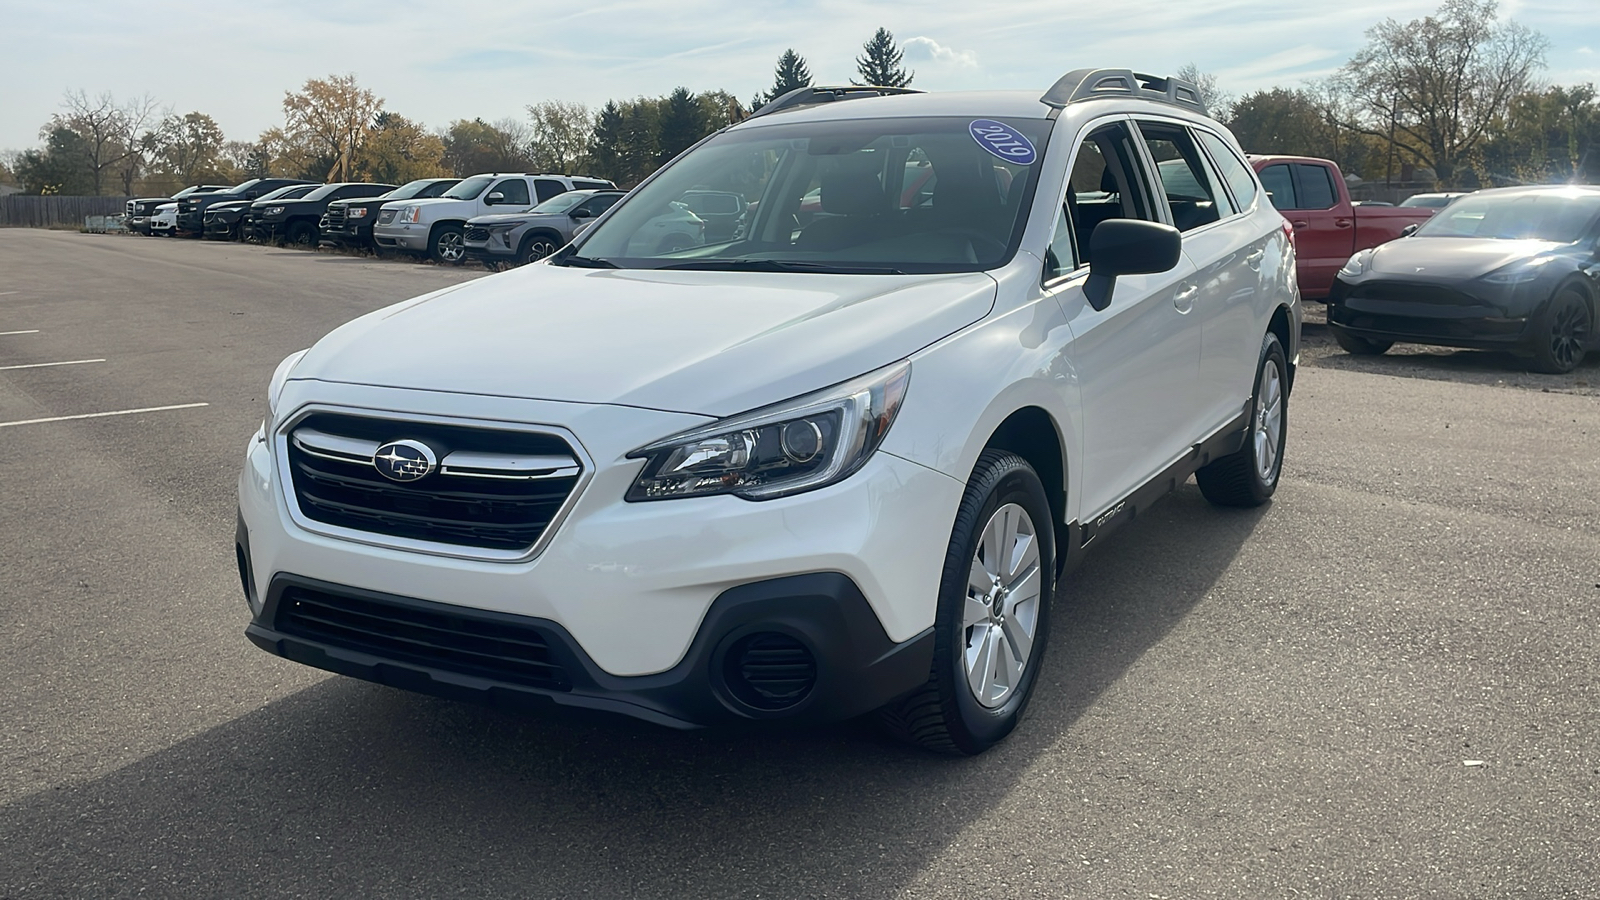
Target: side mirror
(494, 198)
(1128, 247)
(1409, 230)
(581, 213)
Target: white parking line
(4, 293)
(70, 362)
(99, 415)
(30, 331)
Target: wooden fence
(18, 211)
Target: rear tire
(1360, 346)
(993, 617)
(1564, 328)
(1249, 476)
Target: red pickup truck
(1311, 194)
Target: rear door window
(546, 188)
(1191, 194)
(1279, 182)
(1314, 187)
(1233, 170)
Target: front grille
(464, 504)
(1410, 292)
(431, 635)
(335, 216)
(386, 216)
(477, 233)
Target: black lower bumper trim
(858, 668)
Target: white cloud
(926, 49)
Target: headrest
(1108, 181)
(851, 193)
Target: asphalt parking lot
(1384, 684)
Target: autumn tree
(880, 63)
(110, 133)
(1551, 135)
(473, 146)
(399, 150)
(60, 167)
(1433, 88)
(188, 147)
(561, 131)
(329, 119)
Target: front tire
(448, 245)
(1249, 476)
(535, 248)
(1563, 330)
(993, 616)
(301, 234)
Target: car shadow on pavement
(347, 789)
(1445, 364)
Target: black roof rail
(808, 96)
(1089, 84)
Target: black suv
(140, 209)
(295, 221)
(348, 223)
(192, 209)
(227, 221)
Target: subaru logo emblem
(404, 460)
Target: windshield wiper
(777, 265)
(585, 262)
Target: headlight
(794, 446)
(356, 212)
(274, 211)
(410, 214)
(280, 377)
(1357, 264)
(1520, 272)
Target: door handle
(1183, 300)
(1299, 223)
(1342, 223)
(1254, 260)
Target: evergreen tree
(606, 143)
(641, 140)
(880, 64)
(790, 75)
(683, 121)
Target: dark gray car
(522, 237)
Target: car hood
(711, 343)
(426, 201)
(231, 204)
(509, 218)
(1427, 257)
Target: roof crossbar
(1090, 84)
(808, 96)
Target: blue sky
(436, 62)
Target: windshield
(1559, 216)
(560, 203)
(286, 192)
(875, 196)
(417, 188)
(470, 188)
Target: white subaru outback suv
(833, 464)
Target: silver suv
(520, 238)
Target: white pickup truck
(436, 226)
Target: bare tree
(101, 124)
(1433, 88)
(1218, 102)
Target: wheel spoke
(1024, 553)
(980, 671)
(979, 581)
(974, 612)
(1024, 589)
(1019, 640)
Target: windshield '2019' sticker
(1003, 141)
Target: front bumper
(847, 667)
(401, 237)
(1440, 314)
(632, 595)
(491, 250)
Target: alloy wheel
(1569, 333)
(1001, 615)
(1267, 430)
(451, 246)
